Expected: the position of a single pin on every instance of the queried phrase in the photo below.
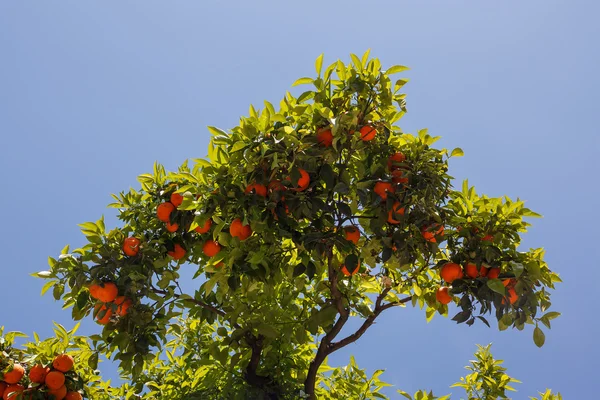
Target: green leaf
(267, 331)
(395, 69)
(538, 337)
(356, 62)
(497, 286)
(319, 64)
(43, 274)
(216, 131)
(302, 81)
(457, 152)
(365, 57)
(551, 315)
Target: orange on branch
(103, 314)
(239, 230)
(512, 296)
(488, 238)
(205, 227)
(15, 374)
(352, 234)
(382, 189)
(164, 210)
(429, 233)
(37, 373)
(397, 209)
(55, 379)
(394, 160)
(211, 248)
(107, 292)
(63, 362)
(275, 186)
(178, 252)
(123, 304)
(59, 393)
(325, 137)
(443, 295)
(256, 188)
(451, 271)
(13, 392)
(471, 270)
(398, 177)
(131, 246)
(303, 181)
(172, 227)
(348, 273)
(73, 396)
(367, 133)
(493, 273)
(176, 199)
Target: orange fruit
(107, 292)
(37, 373)
(176, 199)
(123, 304)
(55, 379)
(211, 248)
(367, 133)
(164, 210)
(488, 238)
(451, 271)
(59, 393)
(398, 177)
(483, 271)
(131, 246)
(511, 282)
(73, 396)
(3, 387)
(204, 228)
(471, 270)
(442, 295)
(429, 233)
(325, 137)
(63, 362)
(348, 273)
(101, 308)
(512, 296)
(15, 374)
(172, 227)
(256, 188)
(178, 252)
(303, 181)
(237, 229)
(493, 273)
(12, 392)
(352, 234)
(382, 189)
(275, 185)
(397, 209)
(394, 160)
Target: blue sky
(92, 93)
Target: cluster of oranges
(452, 271)
(109, 303)
(50, 380)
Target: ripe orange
(103, 319)
(37, 373)
(15, 374)
(176, 199)
(107, 292)
(367, 133)
(275, 185)
(483, 271)
(493, 273)
(172, 227)
(451, 271)
(59, 393)
(2, 387)
(472, 270)
(488, 238)
(256, 188)
(178, 252)
(397, 209)
(73, 396)
(352, 234)
(123, 304)
(211, 248)
(303, 181)
(55, 379)
(348, 273)
(63, 362)
(511, 282)
(131, 246)
(398, 177)
(237, 229)
(325, 137)
(429, 233)
(442, 295)
(204, 228)
(382, 189)
(394, 160)
(12, 392)
(164, 210)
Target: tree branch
(379, 308)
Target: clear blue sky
(92, 93)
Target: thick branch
(379, 308)
(256, 344)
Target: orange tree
(302, 217)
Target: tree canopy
(302, 217)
